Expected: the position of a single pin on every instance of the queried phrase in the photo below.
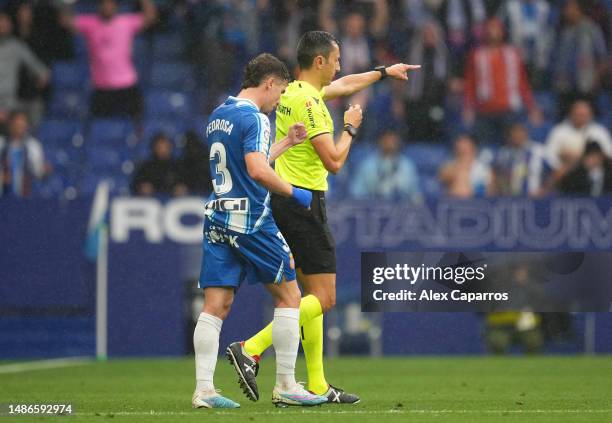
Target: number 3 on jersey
(217, 152)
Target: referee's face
(330, 66)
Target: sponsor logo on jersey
(228, 204)
(214, 236)
(283, 110)
(311, 121)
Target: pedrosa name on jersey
(178, 220)
(220, 125)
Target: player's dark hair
(313, 44)
(262, 67)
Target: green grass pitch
(410, 389)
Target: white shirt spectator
(19, 161)
(567, 140)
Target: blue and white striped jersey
(234, 129)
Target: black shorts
(122, 102)
(307, 233)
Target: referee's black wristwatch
(350, 129)
(382, 70)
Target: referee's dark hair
(262, 67)
(313, 44)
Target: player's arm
(255, 150)
(351, 84)
(259, 169)
(333, 155)
(296, 135)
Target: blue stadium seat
(427, 157)
(69, 158)
(172, 128)
(141, 54)
(430, 185)
(168, 47)
(540, 133)
(118, 183)
(110, 132)
(168, 104)
(547, 102)
(51, 187)
(71, 74)
(172, 75)
(58, 133)
(69, 103)
(85, 6)
(91, 6)
(604, 103)
(66, 164)
(103, 157)
(607, 119)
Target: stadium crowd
(514, 96)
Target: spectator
(530, 26)
(519, 165)
(466, 176)
(21, 158)
(36, 25)
(580, 58)
(566, 141)
(496, 86)
(426, 89)
(375, 12)
(291, 21)
(592, 176)
(13, 54)
(416, 12)
(388, 174)
(194, 166)
(362, 26)
(355, 47)
(599, 12)
(463, 22)
(160, 173)
(109, 37)
(505, 329)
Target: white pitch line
(44, 364)
(331, 412)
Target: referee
(306, 166)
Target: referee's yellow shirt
(301, 165)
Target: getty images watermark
(486, 281)
(413, 274)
